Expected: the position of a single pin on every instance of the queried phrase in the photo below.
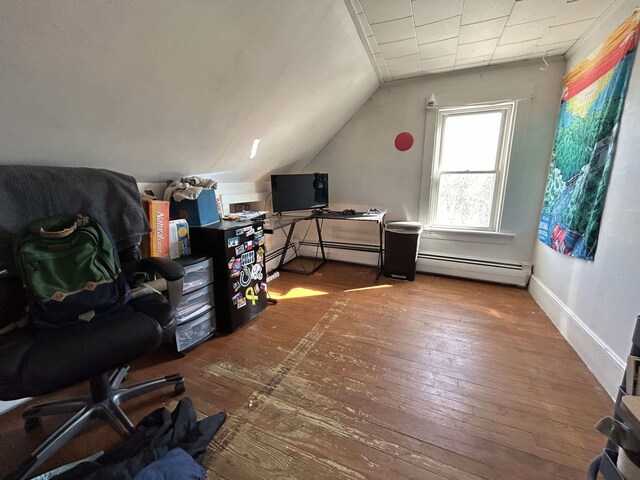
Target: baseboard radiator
(510, 273)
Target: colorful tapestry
(590, 112)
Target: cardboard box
(201, 211)
(179, 239)
(158, 215)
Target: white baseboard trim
(607, 367)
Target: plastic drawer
(194, 304)
(191, 333)
(197, 275)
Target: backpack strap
(81, 221)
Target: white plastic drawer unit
(189, 334)
(197, 275)
(194, 304)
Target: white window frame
(508, 109)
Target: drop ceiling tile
(400, 64)
(476, 32)
(364, 24)
(438, 49)
(386, 74)
(385, 10)
(564, 33)
(394, 30)
(356, 6)
(480, 61)
(470, 50)
(399, 49)
(400, 75)
(447, 61)
(515, 49)
(380, 60)
(552, 48)
(524, 32)
(580, 10)
(497, 61)
(373, 45)
(434, 32)
(480, 10)
(533, 10)
(430, 11)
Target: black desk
(273, 224)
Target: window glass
(465, 200)
(470, 141)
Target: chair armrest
(171, 271)
(167, 269)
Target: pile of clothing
(165, 445)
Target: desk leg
(287, 243)
(319, 230)
(380, 259)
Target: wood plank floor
(433, 379)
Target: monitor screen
(300, 191)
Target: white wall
(365, 169)
(594, 304)
(160, 89)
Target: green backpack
(70, 268)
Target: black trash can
(401, 240)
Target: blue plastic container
(201, 211)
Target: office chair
(36, 362)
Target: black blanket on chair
(30, 192)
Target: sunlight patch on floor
(375, 287)
(297, 292)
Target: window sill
(475, 236)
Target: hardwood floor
(433, 379)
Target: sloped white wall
(595, 304)
(158, 89)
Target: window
(469, 166)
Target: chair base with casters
(104, 403)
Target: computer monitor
(301, 191)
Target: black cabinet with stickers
(237, 249)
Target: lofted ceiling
(408, 38)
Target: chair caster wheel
(179, 388)
(32, 424)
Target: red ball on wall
(404, 141)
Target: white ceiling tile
(384, 10)
(524, 31)
(410, 62)
(532, 10)
(553, 48)
(497, 61)
(480, 61)
(438, 49)
(439, 63)
(394, 30)
(430, 11)
(580, 10)
(437, 31)
(480, 10)
(477, 32)
(399, 75)
(386, 74)
(364, 24)
(356, 6)
(380, 60)
(564, 33)
(514, 49)
(477, 49)
(399, 49)
(373, 45)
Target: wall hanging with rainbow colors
(592, 102)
